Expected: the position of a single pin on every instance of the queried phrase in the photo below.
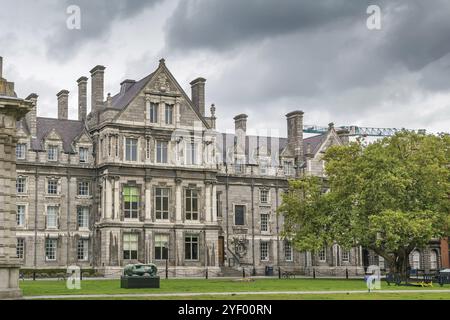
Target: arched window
(415, 259)
(433, 260)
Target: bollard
(279, 273)
(314, 273)
(34, 275)
(167, 268)
(206, 273)
(346, 273)
(81, 274)
(243, 272)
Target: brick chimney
(30, 117)
(240, 129)
(295, 134)
(97, 87)
(198, 94)
(63, 104)
(82, 98)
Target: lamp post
(167, 259)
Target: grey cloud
(222, 25)
(97, 18)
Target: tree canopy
(390, 196)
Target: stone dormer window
(83, 153)
(288, 167)
(52, 153)
(153, 112)
(169, 114)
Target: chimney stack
(97, 87)
(198, 94)
(1, 67)
(82, 98)
(63, 104)
(30, 117)
(295, 133)
(240, 128)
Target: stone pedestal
(11, 110)
(136, 282)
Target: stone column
(214, 202)
(208, 216)
(148, 199)
(116, 198)
(178, 200)
(11, 110)
(108, 198)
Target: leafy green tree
(390, 196)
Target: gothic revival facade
(146, 177)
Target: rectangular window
(288, 256)
(83, 188)
(191, 153)
(191, 204)
(161, 152)
(322, 255)
(52, 217)
(131, 202)
(83, 217)
(345, 256)
(131, 149)
(162, 203)
(20, 216)
(161, 247)
(191, 248)
(117, 146)
(50, 249)
(264, 250)
(83, 153)
(264, 222)
(264, 196)
(52, 186)
(20, 248)
(169, 114)
(21, 151)
(263, 165)
(288, 168)
(52, 153)
(21, 185)
(239, 166)
(153, 112)
(130, 246)
(239, 215)
(83, 250)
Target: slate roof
(253, 142)
(122, 99)
(68, 130)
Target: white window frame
(265, 225)
(83, 153)
(130, 243)
(54, 247)
(21, 151)
(56, 216)
(264, 199)
(162, 146)
(322, 255)
(264, 250)
(345, 256)
(49, 182)
(52, 152)
(83, 185)
(20, 248)
(25, 180)
(126, 146)
(21, 216)
(83, 250)
(288, 168)
(83, 218)
(288, 251)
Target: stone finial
(330, 125)
(213, 110)
(162, 61)
(109, 100)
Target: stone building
(146, 177)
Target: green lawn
(38, 288)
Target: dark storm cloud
(222, 25)
(97, 18)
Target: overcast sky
(260, 57)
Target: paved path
(193, 294)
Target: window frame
(161, 247)
(22, 215)
(129, 146)
(162, 152)
(267, 222)
(191, 243)
(168, 114)
(54, 151)
(288, 254)
(83, 185)
(23, 184)
(191, 197)
(52, 183)
(83, 153)
(134, 198)
(53, 247)
(85, 249)
(83, 217)
(129, 243)
(21, 154)
(20, 248)
(243, 214)
(55, 211)
(153, 112)
(264, 200)
(322, 255)
(264, 248)
(162, 212)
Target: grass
(39, 288)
